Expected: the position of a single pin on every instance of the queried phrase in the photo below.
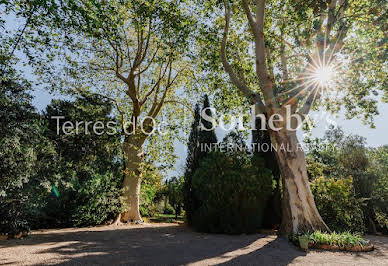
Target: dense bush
(232, 193)
(83, 168)
(151, 193)
(168, 209)
(22, 148)
(97, 199)
(175, 194)
(337, 156)
(337, 204)
(14, 218)
(379, 197)
(87, 173)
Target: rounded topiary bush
(232, 193)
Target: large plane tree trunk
(299, 213)
(133, 153)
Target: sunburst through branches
(320, 76)
(323, 75)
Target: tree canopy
(298, 37)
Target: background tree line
(220, 192)
(58, 180)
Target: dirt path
(172, 244)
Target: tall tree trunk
(299, 213)
(133, 153)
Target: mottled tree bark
(299, 212)
(133, 153)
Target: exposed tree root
(138, 222)
(117, 221)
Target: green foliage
(232, 193)
(151, 191)
(82, 146)
(80, 44)
(206, 133)
(295, 31)
(175, 194)
(337, 204)
(98, 44)
(272, 212)
(16, 170)
(345, 239)
(337, 156)
(22, 148)
(198, 136)
(87, 173)
(192, 163)
(14, 218)
(97, 199)
(168, 209)
(379, 168)
(19, 125)
(166, 218)
(82, 167)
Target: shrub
(337, 204)
(90, 200)
(98, 199)
(345, 239)
(151, 190)
(13, 217)
(379, 168)
(168, 209)
(21, 144)
(347, 155)
(232, 194)
(175, 194)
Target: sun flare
(323, 75)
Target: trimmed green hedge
(232, 194)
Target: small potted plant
(304, 242)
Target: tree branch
(283, 60)
(266, 83)
(251, 21)
(157, 84)
(305, 109)
(331, 16)
(253, 97)
(149, 64)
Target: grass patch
(345, 239)
(166, 218)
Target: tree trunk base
(299, 212)
(120, 220)
(117, 221)
(136, 218)
(138, 222)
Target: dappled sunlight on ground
(256, 245)
(169, 244)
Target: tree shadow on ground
(151, 245)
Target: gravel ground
(170, 244)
